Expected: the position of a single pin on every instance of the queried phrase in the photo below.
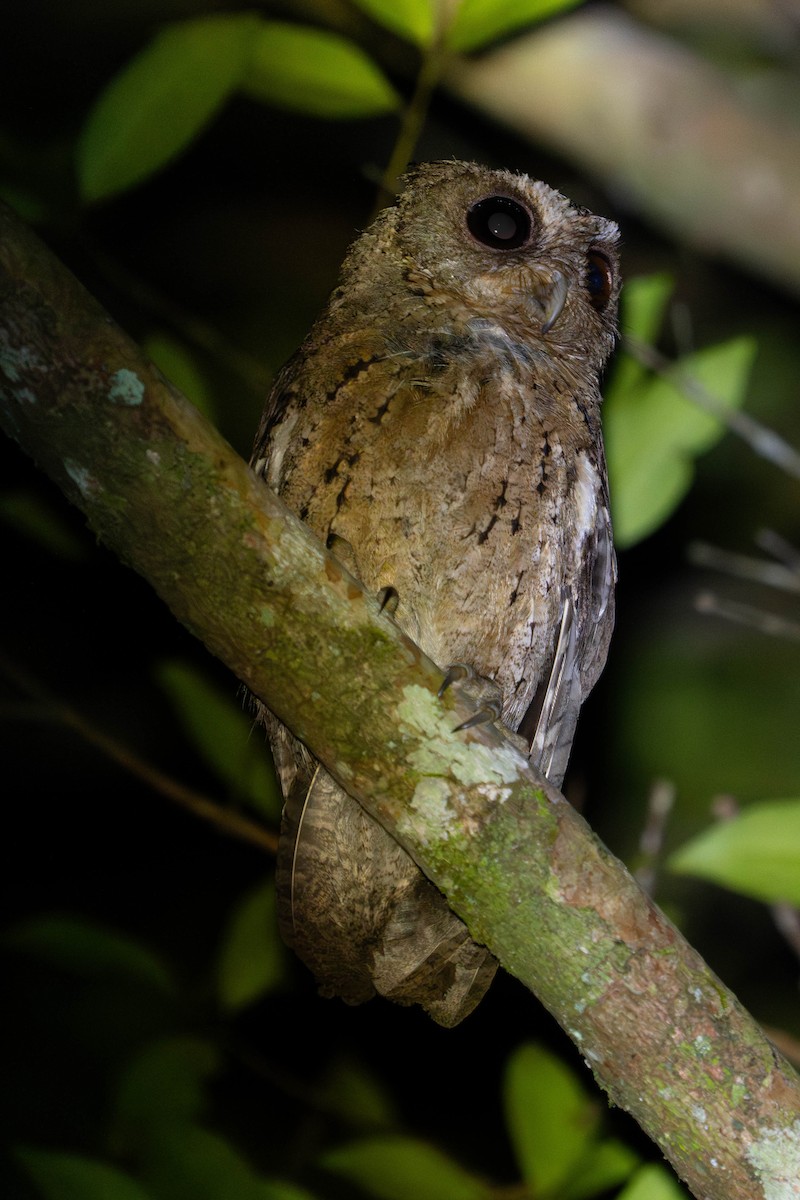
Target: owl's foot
(481, 691)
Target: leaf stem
(431, 70)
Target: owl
(439, 429)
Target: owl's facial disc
(503, 224)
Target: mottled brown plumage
(440, 428)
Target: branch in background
(712, 605)
(741, 566)
(783, 575)
(663, 1036)
(663, 130)
(660, 804)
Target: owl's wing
(587, 619)
(555, 729)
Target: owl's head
(500, 247)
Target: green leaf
(192, 1162)
(414, 20)
(88, 951)
(607, 1165)
(223, 735)
(654, 1183)
(163, 1086)
(653, 433)
(551, 1120)
(32, 207)
(315, 72)
(160, 101)
(357, 1096)
(279, 1189)
(33, 517)
(643, 305)
(731, 712)
(478, 22)
(757, 853)
(174, 360)
(74, 1177)
(252, 960)
(396, 1168)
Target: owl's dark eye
(599, 279)
(499, 223)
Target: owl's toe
(481, 691)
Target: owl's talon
(488, 714)
(388, 600)
(483, 693)
(455, 673)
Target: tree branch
(662, 1034)
(659, 126)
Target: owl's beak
(552, 298)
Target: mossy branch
(662, 1034)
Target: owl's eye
(599, 279)
(499, 223)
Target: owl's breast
(464, 485)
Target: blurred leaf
(32, 516)
(757, 853)
(315, 72)
(160, 101)
(396, 1168)
(279, 1189)
(163, 1086)
(654, 1183)
(643, 304)
(478, 22)
(30, 206)
(607, 1165)
(192, 1162)
(358, 1096)
(87, 950)
(179, 366)
(551, 1120)
(411, 19)
(223, 735)
(706, 705)
(653, 433)
(73, 1177)
(252, 960)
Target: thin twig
(431, 69)
(772, 543)
(787, 921)
(763, 441)
(741, 566)
(660, 803)
(231, 823)
(711, 604)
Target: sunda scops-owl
(440, 429)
